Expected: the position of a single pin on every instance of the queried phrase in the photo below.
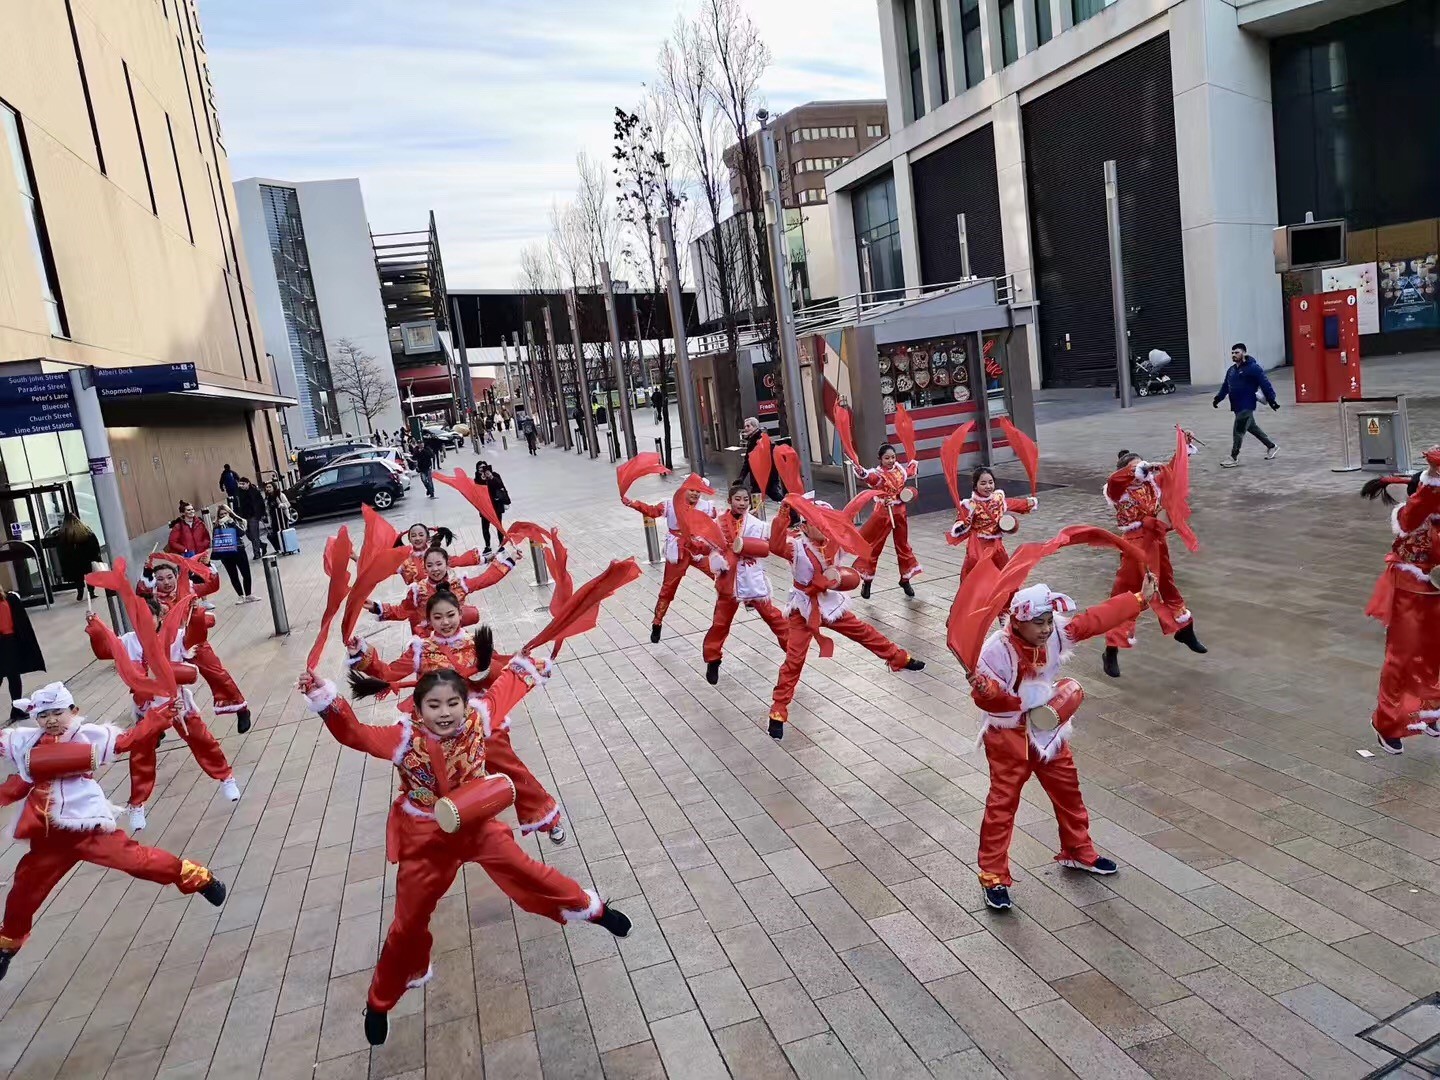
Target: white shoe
(1272, 453)
(137, 818)
(1229, 463)
(230, 789)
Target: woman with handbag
(227, 546)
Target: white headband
(1031, 603)
(53, 696)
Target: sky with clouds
(476, 108)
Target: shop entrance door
(30, 517)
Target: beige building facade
(120, 247)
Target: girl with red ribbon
(889, 518)
(682, 552)
(740, 579)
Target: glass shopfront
(877, 232)
(41, 477)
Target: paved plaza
(809, 908)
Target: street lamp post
(689, 410)
(622, 384)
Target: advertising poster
(1363, 278)
(1407, 295)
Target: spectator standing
(227, 545)
(527, 428)
(657, 400)
(229, 483)
(189, 535)
(250, 506)
(278, 508)
(424, 464)
(19, 649)
(578, 415)
(436, 448)
(776, 491)
(1243, 385)
(79, 550)
(498, 496)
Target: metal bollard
(851, 484)
(614, 445)
(118, 620)
(504, 442)
(757, 507)
(273, 586)
(537, 559)
(652, 542)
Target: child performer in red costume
(1407, 601)
(67, 819)
(421, 539)
(676, 561)
(448, 646)
(166, 592)
(888, 516)
(1016, 673)
(438, 576)
(742, 580)
(1135, 491)
(818, 601)
(187, 721)
(437, 753)
(980, 517)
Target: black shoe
(712, 672)
(865, 590)
(1101, 866)
(914, 665)
(214, 892)
(1390, 746)
(997, 897)
(377, 1026)
(907, 588)
(6, 955)
(1112, 661)
(655, 634)
(777, 729)
(614, 920)
(1186, 636)
(242, 721)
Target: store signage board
(126, 382)
(36, 404)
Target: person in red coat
(889, 517)
(978, 520)
(189, 535)
(1407, 601)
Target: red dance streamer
(950, 451)
(379, 559)
(845, 428)
(477, 495)
(905, 428)
(648, 464)
(1025, 449)
(337, 569)
(787, 464)
(580, 613)
(761, 465)
(837, 528)
(1176, 493)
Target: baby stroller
(1148, 376)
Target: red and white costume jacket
(75, 803)
(209, 586)
(746, 571)
(413, 568)
(890, 482)
(1134, 491)
(1013, 677)
(412, 607)
(430, 652)
(1415, 551)
(977, 524)
(186, 673)
(697, 550)
(418, 755)
(810, 595)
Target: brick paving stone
(1172, 1058)
(610, 1000)
(929, 1031)
(1079, 1043)
(638, 1062)
(788, 1011)
(753, 955)
(661, 991)
(722, 998)
(1110, 1009)
(822, 1057)
(815, 964)
(686, 1047)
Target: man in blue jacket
(1243, 385)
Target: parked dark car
(310, 458)
(338, 489)
(448, 438)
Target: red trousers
(983, 548)
(429, 860)
(670, 584)
(879, 526)
(204, 745)
(1012, 761)
(228, 697)
(1167, 603)
(1410, 675)
(725, 609)
(797, 649)
(51, 856)
(534, 806)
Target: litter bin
(1380, 447)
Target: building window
(1041, 20)
(179, 177)
(34, 220)
(940, 50)
(1081, 10)
(974, 56)
(877, 234)
(85, 87)
(874, 131)
(1009, 40)
(912, 46)
(140, 139)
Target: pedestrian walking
(250, 508)
(424, 464)
(277, 508)
(578, 415)
(527, 428)
(229, 483)
(499, 497)
(227, 545)
(657, 402)
(79, 550)
(1243, 385)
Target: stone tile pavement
(809, 908)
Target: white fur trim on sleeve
(1034, 693)
(407, 732)
(526, 668)
(322, 697)
(584, 914)
(1426, 480)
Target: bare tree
(595, 213)
(359, 376)
(538, 280)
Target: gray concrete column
(1062, 16)
(990, 46)
(905, 209)
(929, 56)
(952, 61)
(842, 239)
(1015, 211)
(895, 60)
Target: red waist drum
(849, 579)
(1063, 704)
(475, 802)
(51, 761)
